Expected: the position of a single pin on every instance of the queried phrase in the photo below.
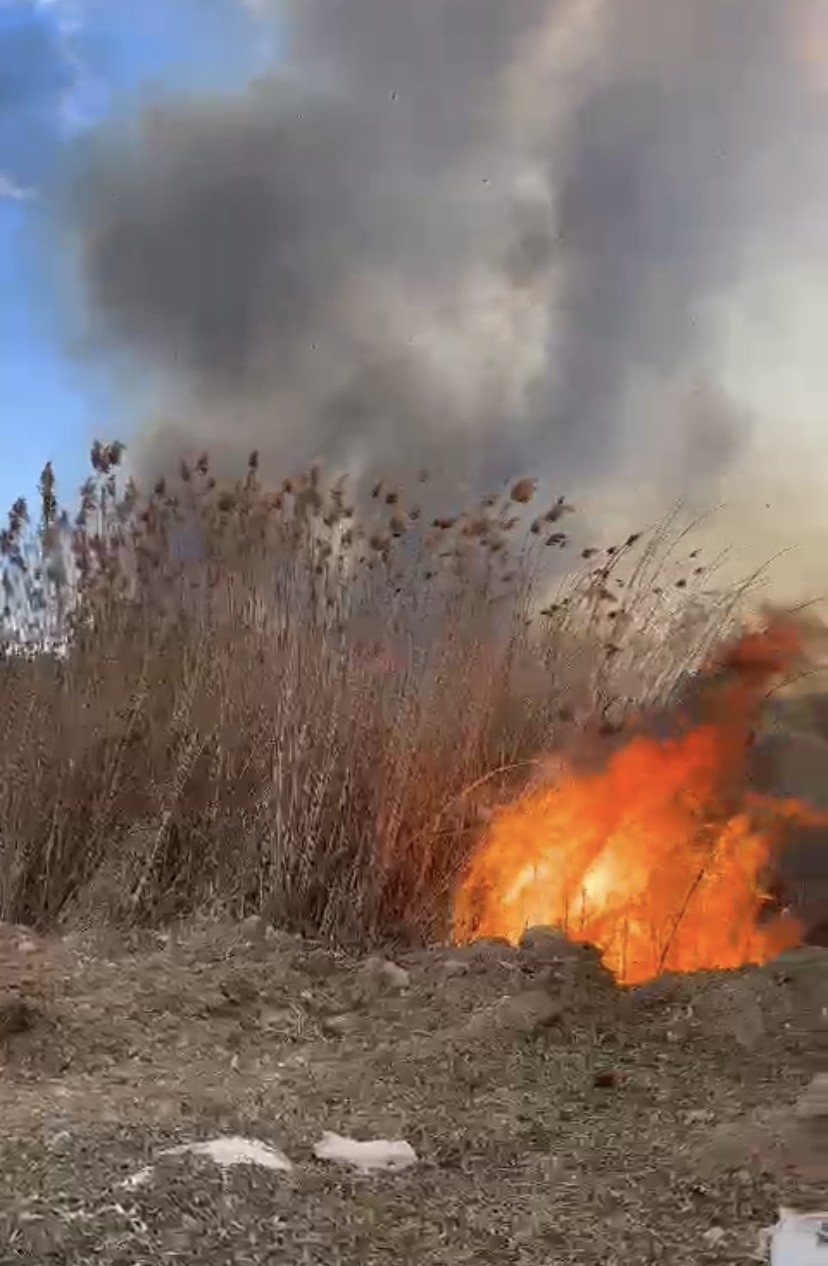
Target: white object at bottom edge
(800, 1239)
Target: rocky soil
(554, 1118)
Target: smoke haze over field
(481, 235)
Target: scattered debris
(799, 1239)
(366, 1156)
(507, 1074)
(224, 1152)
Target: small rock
(604, 1079)
(453, 967)
(526, 1012)
(238, 991)
(278, 1019)
(713, 1236)
(254, 929)
(383, 974)
(551, 975)
(339, 1025)
(16, 1016)
(56, 1132)
(320, 964)
(276, 936)
(19, 937)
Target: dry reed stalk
(243, 698)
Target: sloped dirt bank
(555, 1117)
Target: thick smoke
(484, 235)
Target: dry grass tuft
(236, 698)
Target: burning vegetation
(305, 700)
(660, 857)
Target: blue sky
(65, 65)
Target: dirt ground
(556, 1118)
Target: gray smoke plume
(486, 235)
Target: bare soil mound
(554, 1116)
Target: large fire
(658, 858)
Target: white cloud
(67, 14)
(11, 191)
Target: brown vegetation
(245, 698)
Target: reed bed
(302, 700)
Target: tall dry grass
(240, 698)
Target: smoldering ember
(404, 859)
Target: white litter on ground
(234, 1150)
(139, 1179)
(368, 1155)
(224, 1152)
(799, 1239)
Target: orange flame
(657, 859)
